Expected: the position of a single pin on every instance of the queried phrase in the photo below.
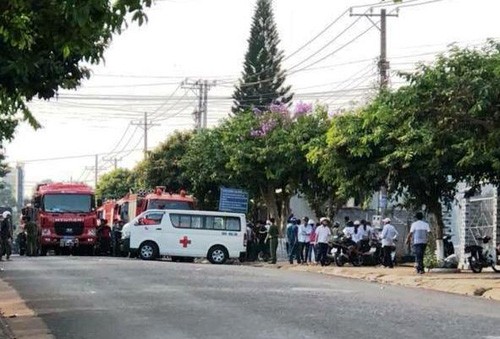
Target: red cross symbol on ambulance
(185, 241)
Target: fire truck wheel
(43, 251)
(148, 251)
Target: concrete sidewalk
(485, 285)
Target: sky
(207, 39)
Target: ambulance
(188, 234)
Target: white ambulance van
(188, 234)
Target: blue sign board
(233, 200)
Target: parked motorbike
(371, 252)
(342, 251)
(449, 249)
(479, 257)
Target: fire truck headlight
(92, 232)
(46, 232)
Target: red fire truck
(132, 205)
(66, 217)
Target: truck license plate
(67, 242)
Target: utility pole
(113, 160)
(383, 63)
(200, 88)
(145, 125)
(96, 169)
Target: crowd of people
(307, 242)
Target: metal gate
(478, 219)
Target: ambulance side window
(219, 223)
(214, 223)
(233, 224)
(196, 221)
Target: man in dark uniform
(6, 233)
(32, 237)
(272, 235)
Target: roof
(169, 197)
(69, 188)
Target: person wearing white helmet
(389, 234)
(6, 235)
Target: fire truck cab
(65, 214)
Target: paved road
(121, 298)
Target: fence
(479, 218)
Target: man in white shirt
(419, 232)
(304, 237)
(322, 235)
(389, 234)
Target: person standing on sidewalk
(419, 232)
(323, 233)
(32, 237)
(272, 235)
(304, 238)
(312, 243)
(6, 234)
(389, 234)
(292, 237)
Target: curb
(5, 331)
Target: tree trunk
(437, 211)
(269, 196)
(285, 209)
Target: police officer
(272, 235)
(31, 235)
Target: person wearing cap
(388, 235)
(323, 233)
(6, 234)
(419, 232)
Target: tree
(262, 79)
(424, 138)
(115, 184)
(4, 167)
(204, 164)
(162, 167)
(7, 198)
(267, 153)
(44, 43)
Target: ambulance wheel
(148, 251)
(217, 255)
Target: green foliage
(7, 196)
(115, 184)
(162, 167)
(43, 44)
(204, 163)
(262, 79)
(424, 138)
(4, 167)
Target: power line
(68, 157)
